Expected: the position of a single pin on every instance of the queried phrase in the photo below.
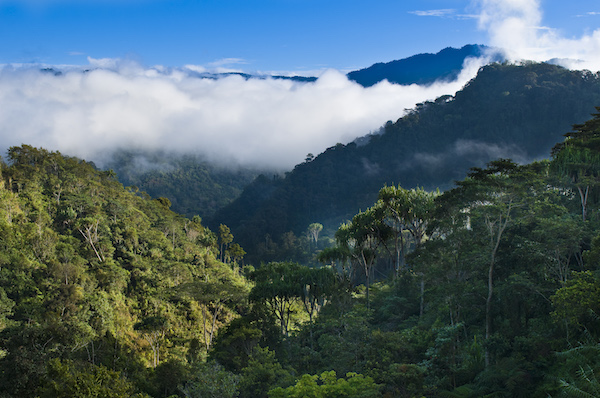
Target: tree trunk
(584, 198)
(488, 309)
(502, 223)
(422, 305)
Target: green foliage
(481, 303)
(263, 373)
(577, 160)
(236, 344)
(469, 293)
(576, 373)
(192, 184)
(91, 279)
(578, 302)
(327, 385)
(66, 380)
(210, 380)
(508, 110)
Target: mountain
(422, 68)
(214, 76)
(196, 186)
(506, 111)
(95, 275)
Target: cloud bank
(251, 122)
(118, 104)
(516, 26)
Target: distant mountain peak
(424, 68)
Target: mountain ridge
(196, 187)
(423, 68)
(516, 111)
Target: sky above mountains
(286, 35)
(141, 57)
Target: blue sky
(258, 35)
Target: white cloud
(516, 26)
(266, 122)
(434, 13)
(228, 61)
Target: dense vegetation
(101, 288)
(197, 186)
(491, 288)
(511, 111)
(194, 185)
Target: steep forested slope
(195, 186)
(492, 289)
(514, 111)
(95, 277)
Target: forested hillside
(511, 111)
(98, 283)
(491, 288)
(194, 185)
(197, 186)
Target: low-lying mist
(113, 105)
(260, 123)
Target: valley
(453, 252)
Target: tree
(578, 303)
(67, 380)
(577, 159)
(153, 329)
(225, 238)
(327, 385)
(263, 373)
(219, 290)
(235, 252)
(313, 231)
(278, 287)
(210, 380)
(316, 286)
(490, 198)
(361, 238)
(237, 342)
(409, 210)
(89, 231)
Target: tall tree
(490, 198)
(577, 159)
(225, 238)
(313, 231)
(409, 210)
(361, 238)
(277, 287)
(154, 330)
